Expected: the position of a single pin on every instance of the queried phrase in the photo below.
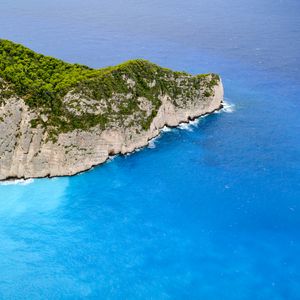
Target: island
(60, 119)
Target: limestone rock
(27, 152)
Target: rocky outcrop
(27, 152)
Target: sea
(209, 210)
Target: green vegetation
(43, 82)
(39, 79)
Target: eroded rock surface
(27, 152)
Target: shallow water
(208, 211)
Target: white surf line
(151, 144)
(228, 107)
(17, 182)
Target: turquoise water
(209, 211)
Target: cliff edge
(60, 119)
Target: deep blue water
(208, 212)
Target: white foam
(185, 126)
(166, 129)
(17, 181)
(111, 158)
(151, 144)
(218, 111)
(189, 126)
(228, 107)
(196, 121)
(134, 151)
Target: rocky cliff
(89, 125)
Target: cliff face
(59, 119)
(27, 152)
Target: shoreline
(110, 157)
(78, 151)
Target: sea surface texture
(207, 211)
